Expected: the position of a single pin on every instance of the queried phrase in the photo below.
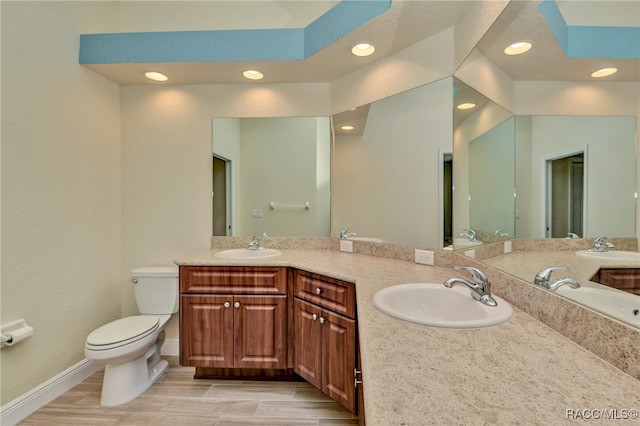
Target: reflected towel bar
(274, 206)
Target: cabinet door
(308, 342)
(206, 330)
(260, 324)
(339, 358)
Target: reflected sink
(366, 239)
(611, 255)
(435, 305)
(620, 305)
(248, 254)
(462, 243)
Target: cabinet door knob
(236, 305)
(318, 290)
(322, 320)
(227, 304)
(314, 317)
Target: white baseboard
(25, 405)
(171, 347)
(21, 407)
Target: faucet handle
(478, 276)
(544, 276)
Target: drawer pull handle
(236, 305)
(318, 290)
(227, 304)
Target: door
(565, 196)
(260, 331)
(307, 341)
(206, 330)
(220, 197)
(339, 360)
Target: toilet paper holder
(15, 332)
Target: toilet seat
(122, 332)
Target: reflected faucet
(543, 279)
(254, 243)
(501, 233)
(572, 235)
(345, 234)
(470, 234)
(480, 287)
(602, 244)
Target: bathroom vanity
(519, 372)
(263, 322)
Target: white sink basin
(435, 305)
(611, 255)
(463, 243)
(366, 239)
(247, 254)
(620, 305)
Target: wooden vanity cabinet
(626, 279)
(233, 318)
(325, 335)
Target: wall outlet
(470, 253)
(346, 246)
(424, 257)
(507, 246)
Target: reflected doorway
(447, 202)
(221, 196)
(566, 196)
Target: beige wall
(61, 189)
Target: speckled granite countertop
(521, 372)
(526, 264)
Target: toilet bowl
(129, 347)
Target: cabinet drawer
(336, 295)
(213, 279)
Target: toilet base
(122, 383)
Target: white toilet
(130, 347)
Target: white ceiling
(405, 23)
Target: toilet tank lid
(156, 271)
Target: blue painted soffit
(231, 45)
(591, 41)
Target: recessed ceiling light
(466, 105)
(253, 75)
(363, 49)
(604, 72)
(518, 48)
(156, 76)
(347, 127)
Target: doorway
(221, 196)
(565, 196)
(446, 199)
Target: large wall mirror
(271, 175)
(575, 175)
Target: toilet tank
(156, 289)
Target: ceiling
(403, 24)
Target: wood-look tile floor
(177, 399)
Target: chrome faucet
(254, 243)
(345, 234)
(543, 279)
(602, 244)
(501, 233)
(480, 287)
(470, 234)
